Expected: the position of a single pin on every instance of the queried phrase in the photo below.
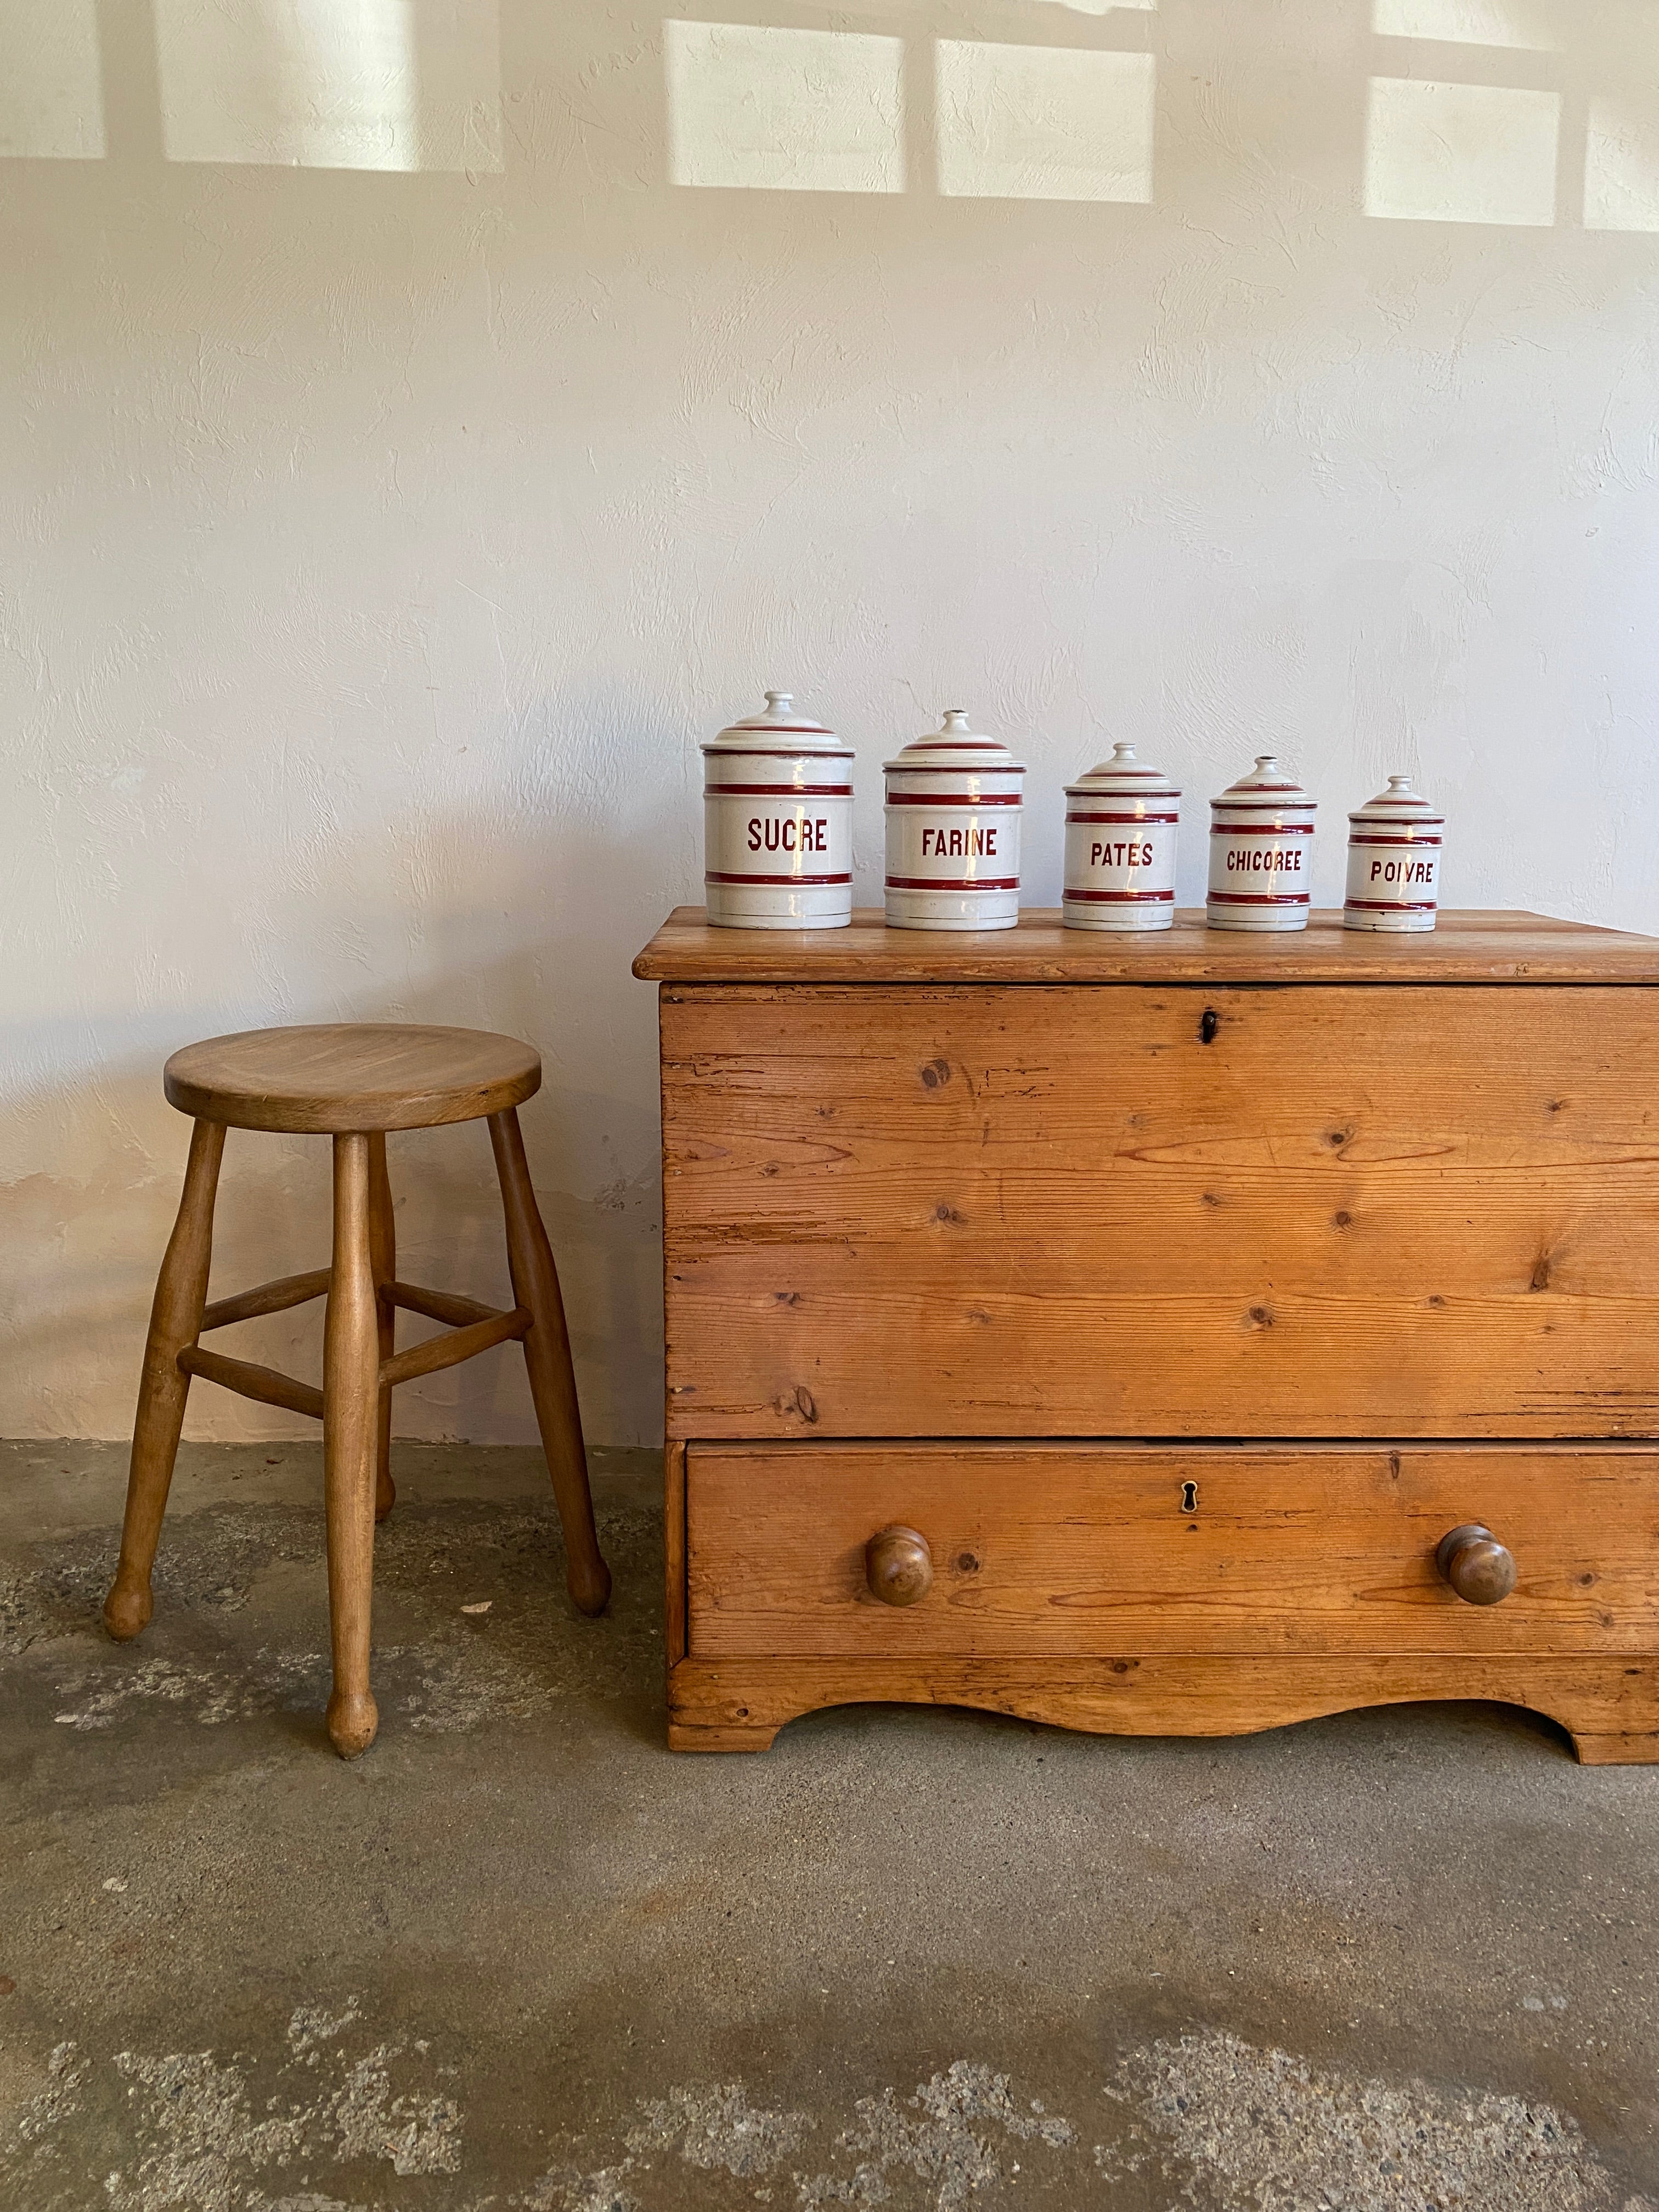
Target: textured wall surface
(397, 479)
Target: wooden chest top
(1469, 947)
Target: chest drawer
(1151, 1210)
(1083, 1551)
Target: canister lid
(1399, 803)
(1123, 776)
(956, 748)
(1265, 789)
(778, 730)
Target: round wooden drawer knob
(898, 1565)
(1474, 1562)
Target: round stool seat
(342, 1076)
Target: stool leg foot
(354, 1721)
(351, 1396)
(383, 1256)
(175, 1322)
(547, 1356)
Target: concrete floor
(520, 1957)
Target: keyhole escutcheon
(1189, 1497)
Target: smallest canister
(777, 794)
(1121, 822)
(953, 810)
(1394, 861)
(1261, 831)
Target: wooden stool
(352, 1081)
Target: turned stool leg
(175, 1322)
(383, 1257)
(547, 1355)
(351, 1400)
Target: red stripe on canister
(1392, 906)
(952, 798)
(1262, 830)
(1128, 821)
(941, 883)
(1262, 806)
(1261, 898)
(774, 752)
(713, 876)
(1121, 898)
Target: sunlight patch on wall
(1461, 153)
(1529, 24)
(1105, 7)
(1043, 122)
(52, 100)
(1622, 166)
(331, 84)
(771, 110)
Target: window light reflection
(1621, 167)
(1043, 122)
(331, 84)
(1529, 24)
(766, 109)
(51, 101)
(1461, 153)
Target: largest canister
(777, 794)
(953, 811)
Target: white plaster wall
(378, 541)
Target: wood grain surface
(248, 1380)
(1610, 1711)
(1083, 1550)
(674, 1551)
(966, 1211)
(535, 1281)
(176, 1317)
(1466, 947)
(351, 1376)
(351, 1077)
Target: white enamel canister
(1121, 822)
(777, 794)
(1394, 861)
(953, 813)
(1261, 831)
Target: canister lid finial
(1401, 802)
(1267, 784)
(778, 729)
(1126, 776)
(955, 746)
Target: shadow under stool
(353, 1082)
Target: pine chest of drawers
(1179, 1334)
